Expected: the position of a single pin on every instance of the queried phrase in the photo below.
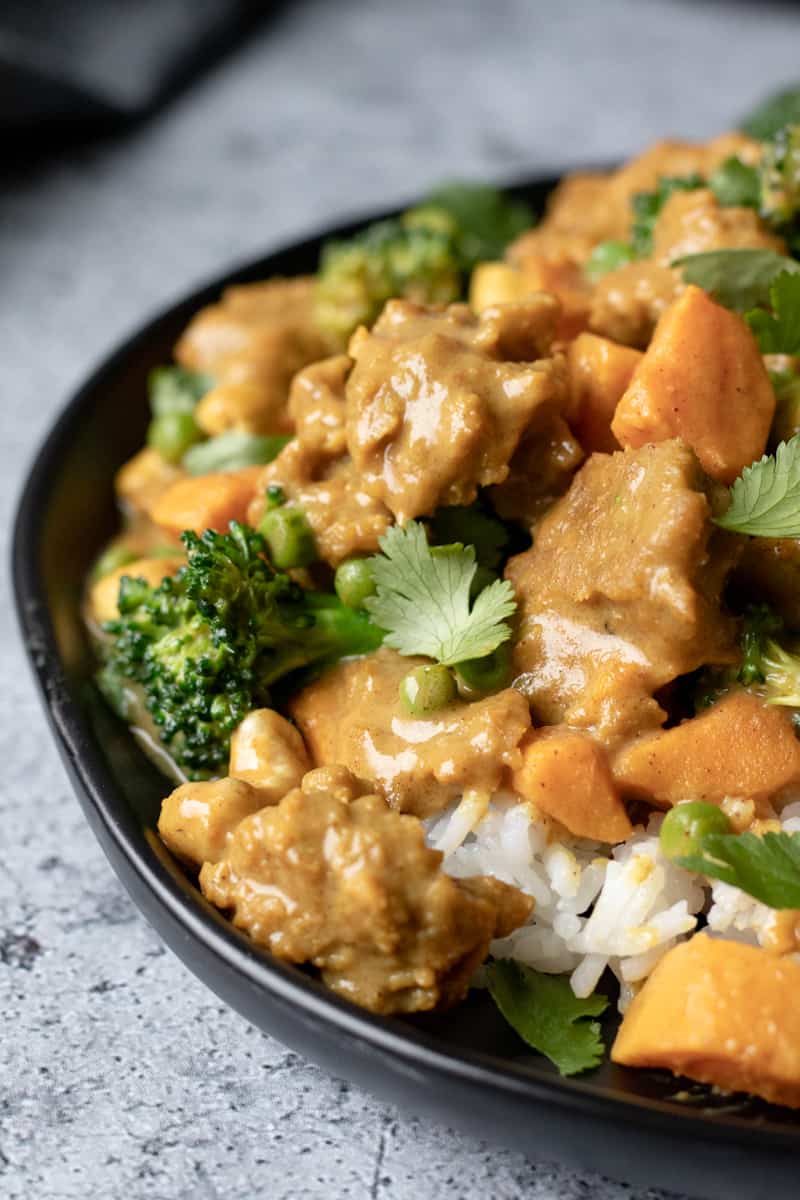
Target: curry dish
(457, 595)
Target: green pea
(608, 256)
(479, 676)
(686, 825)
(426, 689)
(288, 536)
(354, 582)
(172, 433)
(112, 558)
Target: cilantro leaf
(769, 117)
(647, 205)
(739, 279)
(735, 184)
(548, 1016)
(422, 599)
(765, 499)
(767, 867)
(778, 332)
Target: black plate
(465, 1068)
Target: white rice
(596, 908)
(735, 915)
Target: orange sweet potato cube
(738, 747)
(598, 371)
(206, 501)
(566, 775)
(701, 379)
(720, 1012)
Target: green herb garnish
(548, 1016)
(739, 279)
(232, 450)
(422, 599)
(766, 867)
(765, 499)
(735, 184)
(778, 331)
(770, 117)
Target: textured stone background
(120, 1074)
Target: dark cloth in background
(97, 63)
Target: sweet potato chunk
(566, 775)
(598, 371)
(206, 501)
(703, 380)
(720, 1012)
(555, 273)
(739, 747)
(142, 479)
(105, 593)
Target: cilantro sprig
(778, 331)
(765, 499)
(548, 1016)
(422, 599)
(738, 279)
(766, 868)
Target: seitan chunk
(627, 303)
(315, 472)
(540, 470)
(619, 593)
(252, 342)
(694, 221)
(353, 715)
(720, 1012)
(439, 399)
(350, 886)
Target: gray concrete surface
(120, 1074)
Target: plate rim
(405, 1042)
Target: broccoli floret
(768, 660)
(424, 255)
(760, 626)
(482, 219)
(647, 205)
(763, 662)
(206, 645)
(356, 277)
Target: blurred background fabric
(65, 63)
(121, 1076)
